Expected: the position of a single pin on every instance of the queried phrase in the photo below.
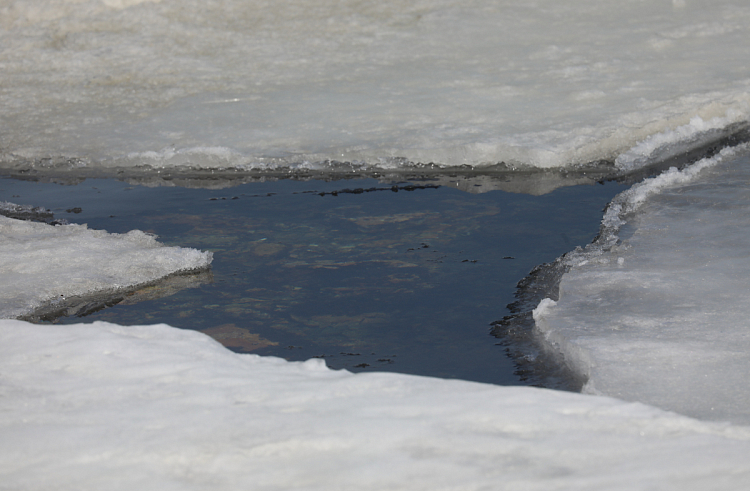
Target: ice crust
(25, 212)
(290, 85)
(654, 314)
(103, 406)
(42, 264)
(661, 317)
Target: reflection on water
(400, 277)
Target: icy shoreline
(658, 317)
(154, 407)
(192, 88)
(245, 85)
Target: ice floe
(43, 265)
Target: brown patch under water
(232, 336)
(268, 249)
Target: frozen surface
(25, 212)
(256, 84)
(41, 264)
(90, 407)
(291, 84)
(663, 317)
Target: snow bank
(99, 406)
(662, 318)
(255, 85)
(41, 264)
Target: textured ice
(25, 212)
(101, 406)
(256, 84)
(42, 264)
(292, 84)
(662, 318)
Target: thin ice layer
(662, 318)
(89, 407)
(42, 264)
(255, 84)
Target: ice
(662, 317)
(25, 212)
(661, 146)
(258, 85)
(43, 265)
(153, 407)
(291, 85)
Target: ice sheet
(256, 84)
(662, 317)
(153, 407)
(42, 264)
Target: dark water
(405, 281)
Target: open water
(393, 276)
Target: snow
(42, 264)
(661, 318)
(154, 407)
(258, 85)
(656, 317)
(661, 146)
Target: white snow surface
(662, 318)
(102, 406)
(256, 84)
(41, 264)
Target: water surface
(399, 277)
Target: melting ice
(266, 84)
(43, 265)
(153, 408)
(661, 316)
(116, 85)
